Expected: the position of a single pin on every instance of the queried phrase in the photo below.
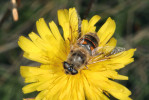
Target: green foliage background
(132, 20)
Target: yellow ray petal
(117, 90)
(55, 45)
(41, 95)
(27, 45)
(84, 27)
(38, 41)
(31, 79)
(37, 51)
(112, 74)
(115, 61)
(31, 87)
(89, 92)
(91, 75)
(106, 31)
(69, 22)
(27, 71)
(32, 51)
(34, 74)
(57, 67)
(73, 24)
(92, 22)
(66, 90)
(55, 31)
(38, 57)
(45, 85)
(123, 57)
(121, 77)
(100, 93)
(49, 80)
(79, 89)
(59, 43)
(103, 96)
(87, 27)
(74, 89)
(110, 46)
(63, 17)
(43, 30)
(55, 87)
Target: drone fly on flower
(84, 51)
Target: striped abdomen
(89, 42)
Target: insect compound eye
(66, 65)
(74, 71)
(70, 69)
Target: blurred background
(18, 17)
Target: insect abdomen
(89, 42)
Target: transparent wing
(117, 50)
(103, 53)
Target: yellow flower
(51, 49)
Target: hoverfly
(84, 51)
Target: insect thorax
(77, 57)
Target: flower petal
(63, 18)
(32, 51)
(90, 93)
(79, 88)
(69, 22)
(123, 57)
(38, 41)
(110, 46)
(106, 31)
(55, 31)
(66, 91)
(112, 74)
(28, 46)
(41, 95)
(117, 90)
(54, 48)
(43, 30)
(84, 27)
(73, 20)
(55, 87)
(47, 35)
(38, 57)
(87, 27)
(92, 22)
(74, 95)
(116, 61)
(31, 87)
(39, 49)
(27, 71)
